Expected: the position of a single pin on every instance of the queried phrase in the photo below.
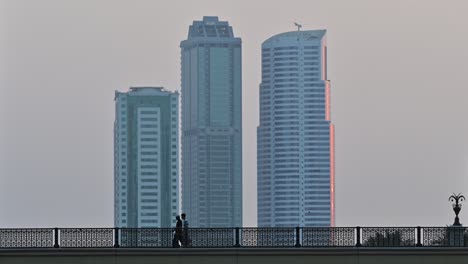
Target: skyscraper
(146, 157)
(212, 125)
(295, 147)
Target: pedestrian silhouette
(185, 234)
(177, 233)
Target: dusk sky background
(399, 75)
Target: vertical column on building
(149, 166)
(120, 153)
(174, 170)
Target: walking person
(186, 240)
(177, 233)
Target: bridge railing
(274, 237)
(328, 236)
(27, 238)
(86, 237)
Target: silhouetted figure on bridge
(177, 233)
(185, 234)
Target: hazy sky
(399, 74)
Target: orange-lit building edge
(332, 175)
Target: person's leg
(175, 241)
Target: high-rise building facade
(146, 140)
(211, 125)
(295, 138)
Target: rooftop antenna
(298, 29)
(298, 26)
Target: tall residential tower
(146, 133)
(212, 125)
(295, 149)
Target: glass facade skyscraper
(295, 138)
(146, 157)
(211, 125)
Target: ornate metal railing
(210, 238)
(268, 237)
(86, 237)
(27, 238)
(234, 237)
(328, 237)
(445, 237)
(145, 237)
(388, 237)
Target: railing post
(298, 234)
(418, 236)
(358, 236)
(237, 237)
(116, 237)
(56, 237)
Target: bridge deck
(425, 255)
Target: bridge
(357, 245)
